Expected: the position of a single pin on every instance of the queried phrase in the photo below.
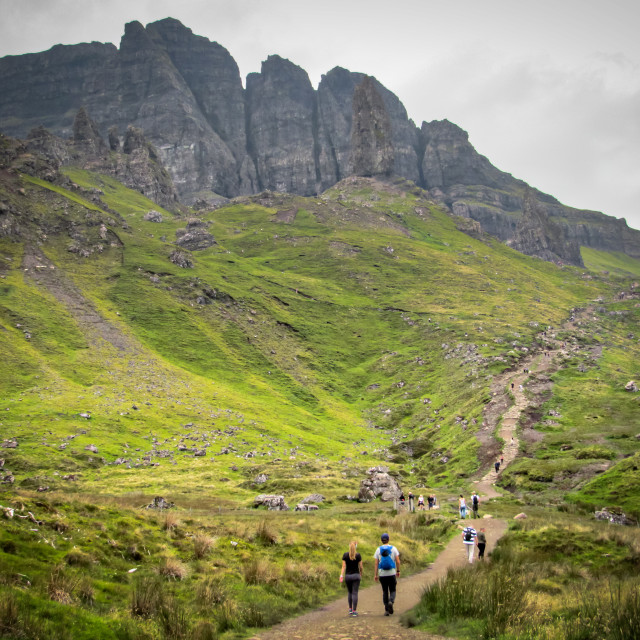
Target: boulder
(379, 484)
(261, 478)
(272, 502)
(614, 516)
(160, 503)
(520, 516)
(153, 216)
(631, 386)
(314, 497)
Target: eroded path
(332, 622)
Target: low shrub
(258, 571)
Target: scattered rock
(92, 448)
(160, 503)
(10, 444)
(261, 478)
(520, 516)
(631, 386)
(614, 516)
(153, 216)
(314, 497)
(272, 502)
(181, 259)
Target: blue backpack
(386, 559)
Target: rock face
(379, 483)
(216, 139)
(537, 235)
(371, 144)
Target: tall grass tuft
(258, 571)
(211, 591)
(9, 613)
(202, 545)
(61, 585)
(147, 597)
(174, 620)
(173, 569)
(204, 630)
(266, 534)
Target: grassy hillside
(315, 338)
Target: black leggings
(352, 581)
(388, 584)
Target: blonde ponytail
(352, 550)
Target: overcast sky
(549, 90)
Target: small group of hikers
(387, 567)
(471, 537)
(386, 572)
(431, 501)
(475, 505)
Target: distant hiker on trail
(462, 505)
(468, 539)
(430, 501)
(351, 574)
(475, 504)
(512, 385)
(411, 505)
(402, 498)
(387, 570)
(421, 502)
(501, 460)
(497, 465)
(481, 541)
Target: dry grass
(304, 572)
(211, 591)
(202, 545)
(170, 521)
(265, 533)
(60, 586)
(173, 569)
(259, 571)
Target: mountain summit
(218, 139)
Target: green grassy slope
(317, 337)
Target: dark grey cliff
(217, 138)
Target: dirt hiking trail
(332, 622)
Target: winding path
(331, 622)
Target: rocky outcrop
(281, 120)
(537, 235)
(217, 139)
(379, 483)
(272, 502)
(371, 144)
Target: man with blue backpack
(387, 572)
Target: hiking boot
(390, 608)
(354, 614)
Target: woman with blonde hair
(352, 574)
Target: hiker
(475, 503)
(497, 465)
(512, 385)
(387, 570)
(468, 539)
(402, 498)
(501, 461)
(351, 574)
(481, 541)
(430, 501)
(421, 502)
(411, 506)
(462, 505)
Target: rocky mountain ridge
(216, 138)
